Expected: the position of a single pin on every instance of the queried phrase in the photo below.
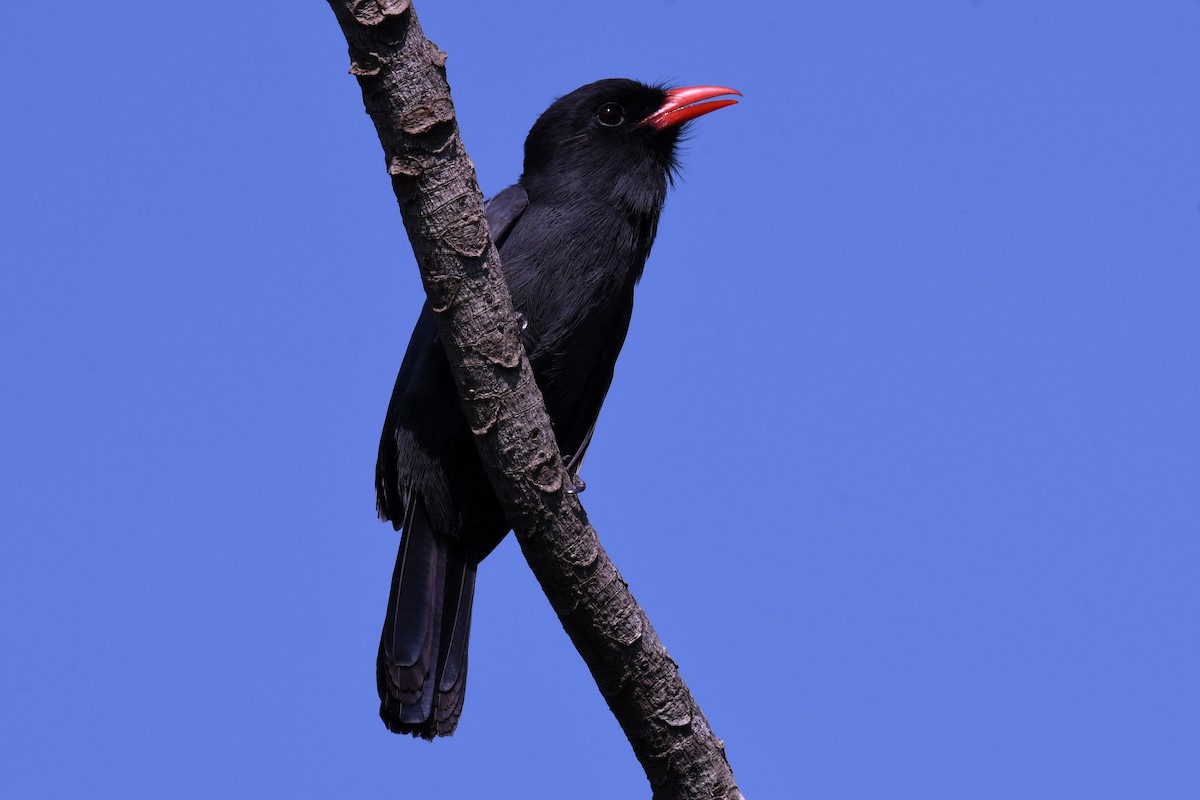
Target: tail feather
(422, 663)
(452, 669)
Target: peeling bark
(403, 81)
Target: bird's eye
(611, 115)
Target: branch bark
(403, 81)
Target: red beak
(684, 104)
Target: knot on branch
(441, 291)
(676, 714)
(373, 12)
(424, 117)
(502, 347)
(545, 473)
(467, 236)
(365, 64)
(583, 551)
(436, 56)
(405, 166)
(627, 628)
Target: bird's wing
(503, 211)
(575, 419)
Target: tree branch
(403, 81)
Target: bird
(573, 236)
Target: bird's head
(616, 139)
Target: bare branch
(404, 88)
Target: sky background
(902, 456)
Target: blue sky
(902, 455)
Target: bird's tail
(422, 666)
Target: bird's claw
(575, 484)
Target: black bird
(573, 234)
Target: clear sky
(902, 456)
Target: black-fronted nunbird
(573, 235)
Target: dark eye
(611, 115)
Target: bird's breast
(569, 269)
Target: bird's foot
(576, 483)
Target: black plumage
(573, 234)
